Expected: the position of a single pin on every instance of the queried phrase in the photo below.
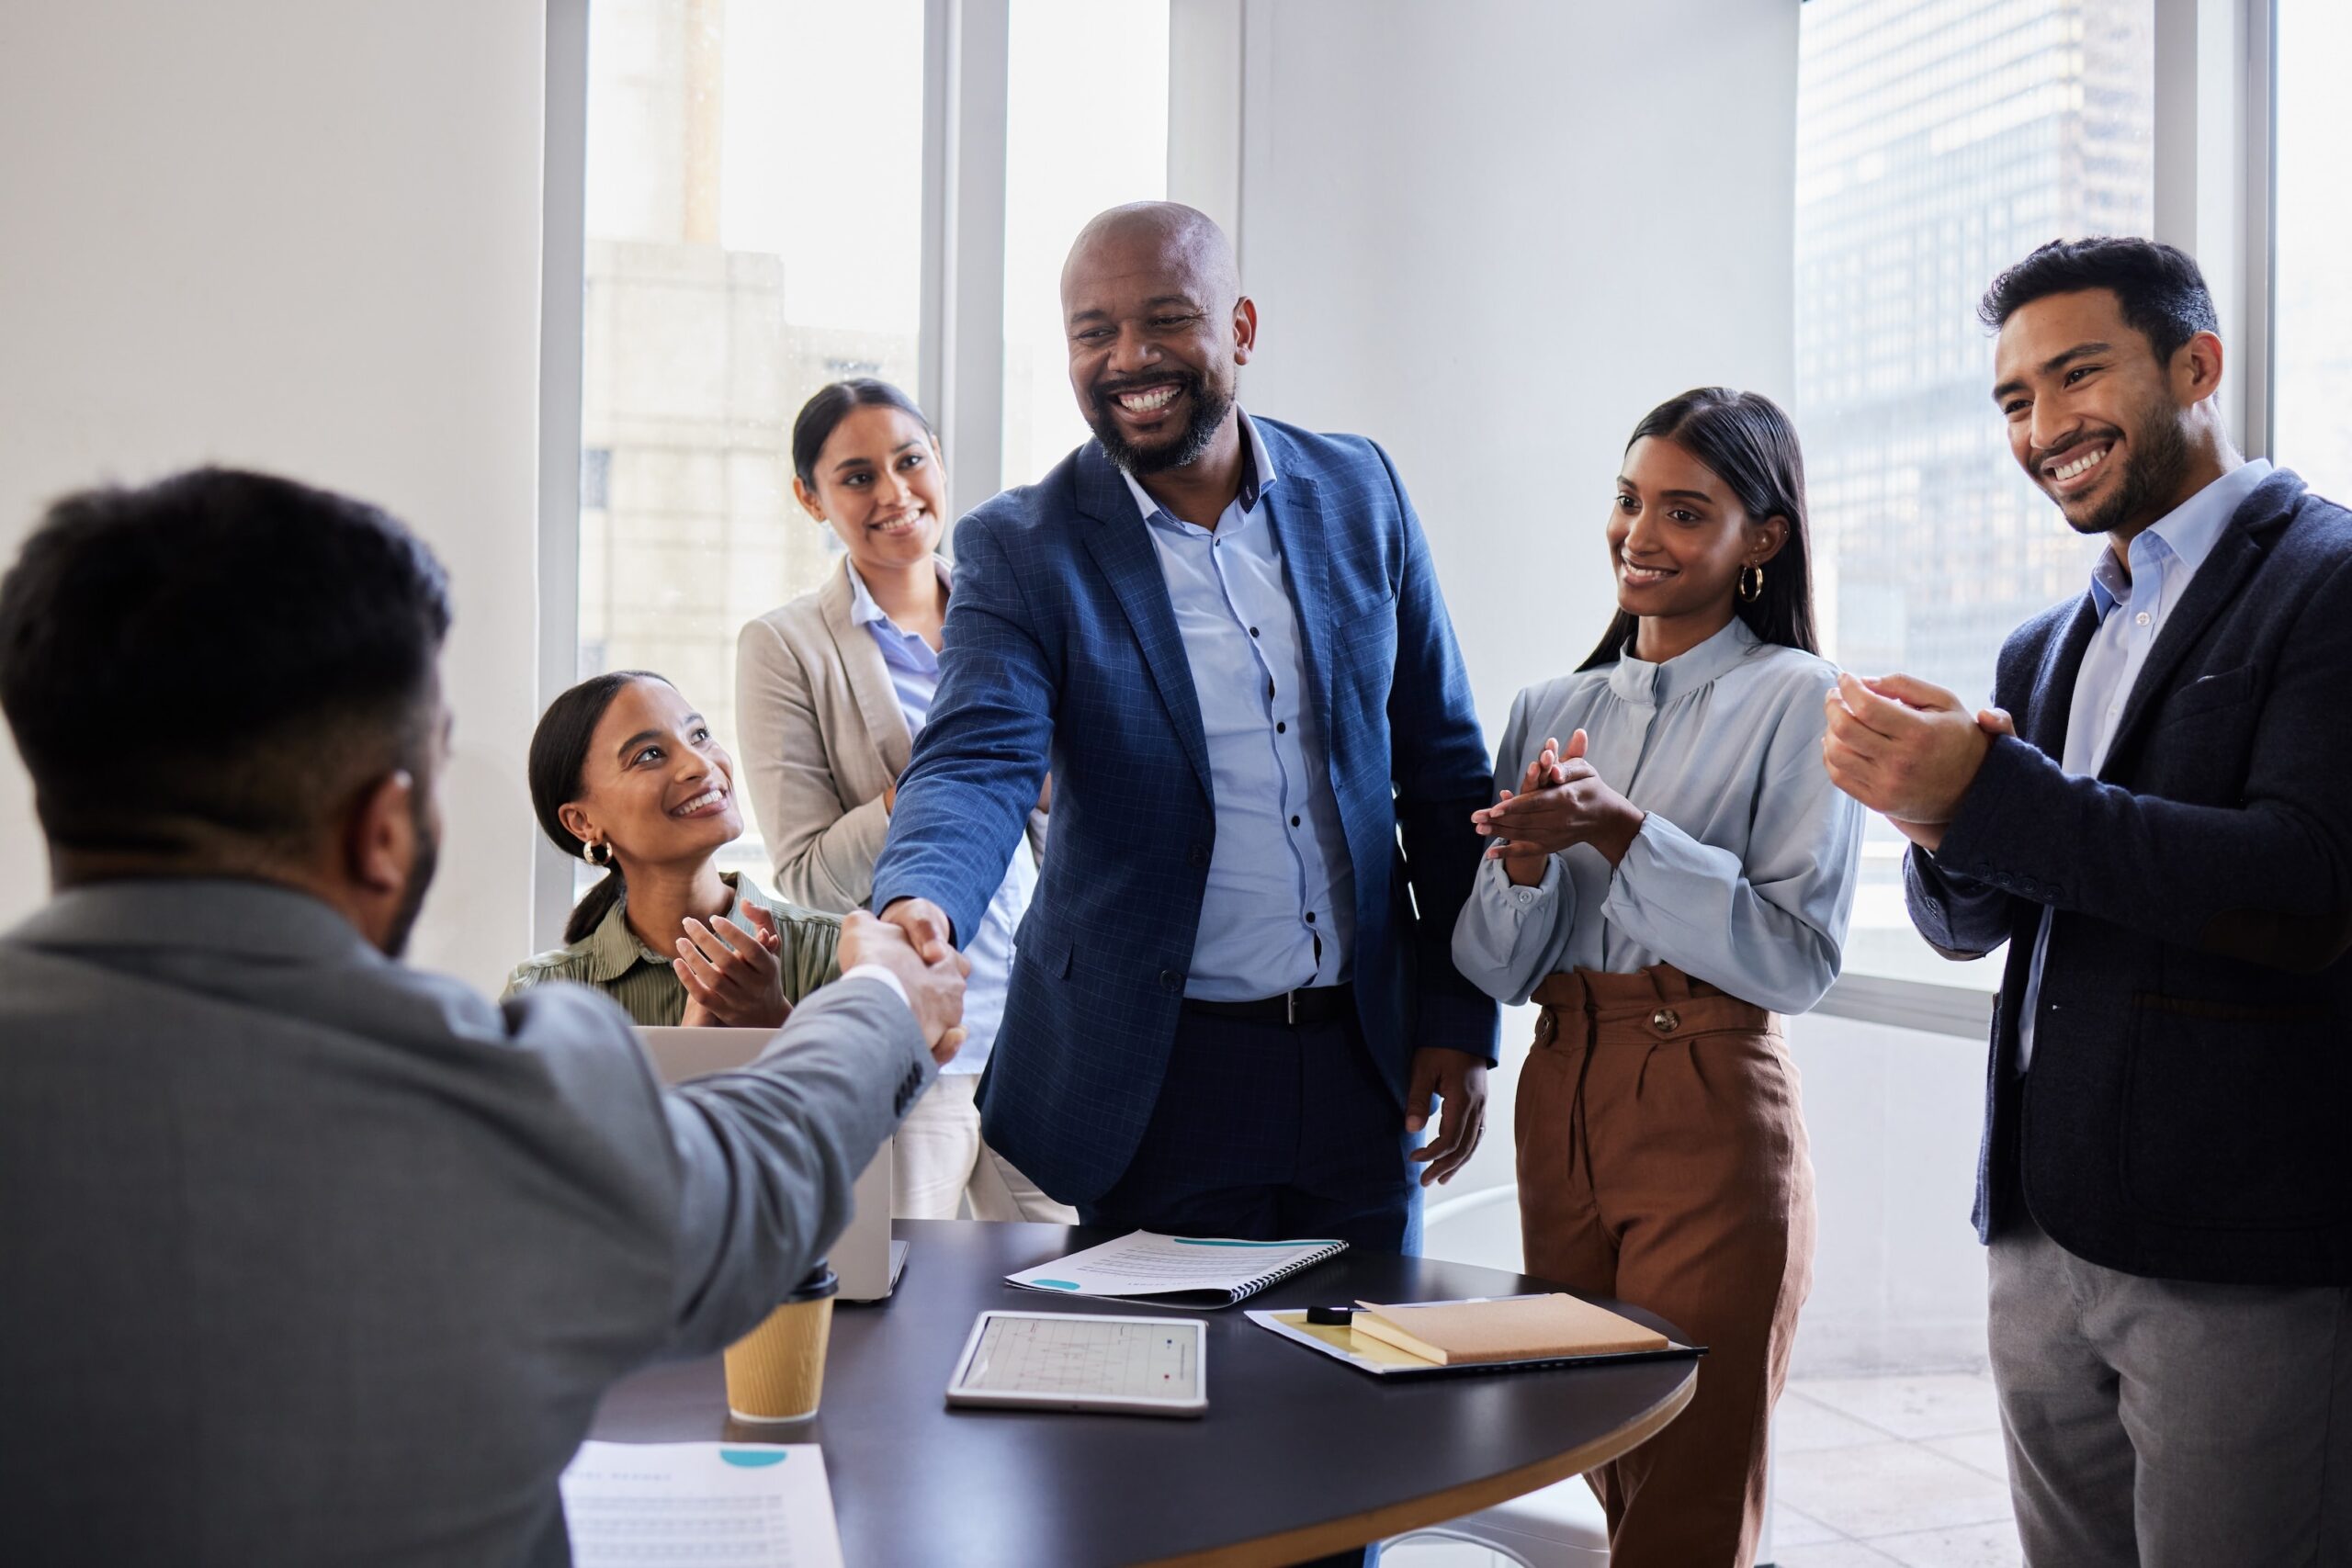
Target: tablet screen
(1061, 1355)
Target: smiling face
(1157, 327)
(881, 488)
(655, 785)
(1678, 539)
(2097, 420)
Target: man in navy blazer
(1232, 996)
(2163, 840)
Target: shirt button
(1253, 631)
(1280, 726)
(1293, 821)
(1310, 917)
(2141, 618)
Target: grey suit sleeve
(767, 1155)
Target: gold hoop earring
(598, 855)
(1746, 592)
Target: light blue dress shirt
(914, 676)
(2164, 557)
(1742, 873)
(1279, 913)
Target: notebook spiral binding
(1321, 1255)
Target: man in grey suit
(309, 1257)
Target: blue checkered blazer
(1061, 642)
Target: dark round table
(1298, 1455)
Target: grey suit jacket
(306, 1256)
(822, 734)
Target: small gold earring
(1751, 594)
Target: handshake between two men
(732, 977)
(932, 978)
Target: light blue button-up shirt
(914, 676)
(1279, 913)
(2131, 607)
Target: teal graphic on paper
(1056, 1284)
(753, 1459)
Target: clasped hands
(928, 967)
(1560, 801)
(1906, 749)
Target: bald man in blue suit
(1233, 996)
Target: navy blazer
(1061, 638)
(2188, 1113)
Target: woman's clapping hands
(1561, 800)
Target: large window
(768, 189)
(1086, 127)
(756, 226)
(2312, 395)
(1939, 141)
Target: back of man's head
(206, 672)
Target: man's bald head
(1157, 325)
(1166, 236)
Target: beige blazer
(821, 733)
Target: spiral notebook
(1176, 1271)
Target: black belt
(1317, 1004)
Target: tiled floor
(1872, 1472)
(1892, 1470)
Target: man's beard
(1209, 406)
(420, 877)
(2152, 476)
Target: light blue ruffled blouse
(1742, 874)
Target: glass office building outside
(754, 184)
(1938, 142)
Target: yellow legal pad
(1516, 1328)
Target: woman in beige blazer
(830, 691)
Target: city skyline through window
(754, 230)
(1938, 142)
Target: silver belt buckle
(1290, 1007)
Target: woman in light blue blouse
(1671, 870)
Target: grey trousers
(2161, 1423)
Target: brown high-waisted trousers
(1662, 1160)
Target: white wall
(1898, 1278)
(1492, 234)
(301, 237)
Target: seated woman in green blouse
(626, 775)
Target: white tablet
(1057, 1360)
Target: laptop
(867, 1260)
